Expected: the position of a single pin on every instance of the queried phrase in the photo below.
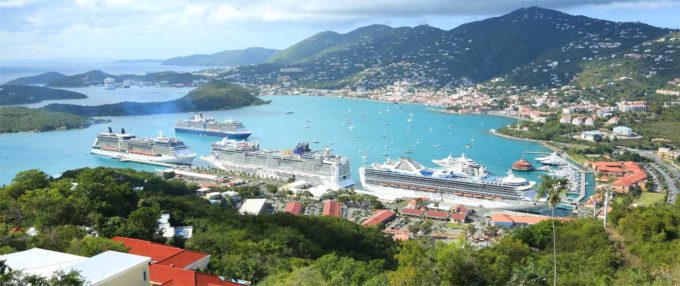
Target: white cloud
(14, 3)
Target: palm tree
(553, 189)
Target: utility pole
(606, 206)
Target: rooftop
(294, 208)
(252, 206)
(332, 208)
(166, 275)
(106, 265)
(379, 217)
(161, 253)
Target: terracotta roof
(156, 251)
(461, 209)
(294, 208)
(171, 276)
(409, 211)
(458, 216)
(629, 173)
(437, 214)
(332, 208)
(379, 217)
(161, 253)
(183, 259)
(506, 218)
(398, 234)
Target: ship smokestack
(122, 130)
(110, 130)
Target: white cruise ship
(405, 178)
(553, 160)
(156, 151)
(462, 165)
(319, 168)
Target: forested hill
(640, 247)
(23, 94)
(515, 44)
(42, 78)
(216, 95)
(247, 56)
(21, 119)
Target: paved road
(671, 179)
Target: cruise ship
(405, 178)
(320, 168)
(462, 166)
(198, 124)
(157, 150)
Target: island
(215, 95)
(20, 119)
(40, 79)
(24, 94)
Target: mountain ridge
(248, 56)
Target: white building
(171, 231)
(623, 131)
(108, 268)
(252, 206)
(632, 106)
(592, 135)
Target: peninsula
(24, 94)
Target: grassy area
(456, 225)
(649, 198)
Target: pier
(536, 152)
(582, 188)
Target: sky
(128, 29)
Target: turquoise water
(359, 129)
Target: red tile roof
(437, 214)
(409, 211)
(171, 276)
(294, 208)
(628, 173)
(161, 253)
(521, 219)
(461, 209)
(332, 208)
(379, 217)
(458, 217)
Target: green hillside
(19, 119)
(247, 56)
(530, 46)
(216, 95)
(80, 80)
(42, 78)
(23, 94)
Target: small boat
(289, 112)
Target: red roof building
(380, 217)
(411, 212)
(458, 217)
(332, 208)
(163, 275)
(294, 208)
(461, 209)
(626, 174)
(437, 214)
(398, 234)
(172, 266)
(165, 255)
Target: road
(663, 168)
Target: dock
(536, 152)
(582, 188)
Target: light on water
(365, 131)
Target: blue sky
(127, 29)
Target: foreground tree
(553, 189)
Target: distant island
(215, 95)
(137, 61)
(39, 79)
(249, 56)
(24, 94)
(20, 119)
(97, 77)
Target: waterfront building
(522, 165)
(380, 217)
(626, 175)
(332, 208)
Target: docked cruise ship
(198, 124)
(462, 166)
(157, 150)
(405, 178)
(320, 168)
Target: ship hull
(238, 135)
(162, 160)
(390, 193)
(282, 174)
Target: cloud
(14, 3)
(127, 28)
